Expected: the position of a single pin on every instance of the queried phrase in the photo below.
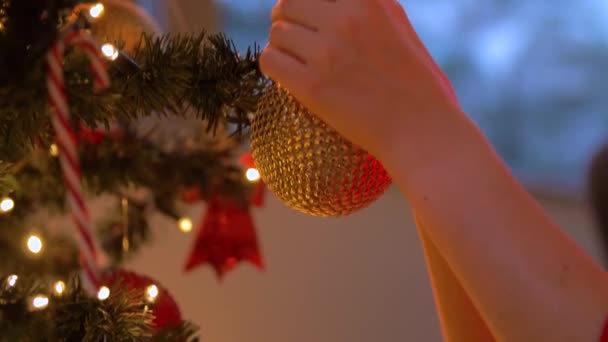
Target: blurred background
(531, 73)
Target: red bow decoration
(226, 237)
(257, 196)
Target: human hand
(360, 66)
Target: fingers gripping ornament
(309, 165)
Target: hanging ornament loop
(66, 141)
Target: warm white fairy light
(151, 293)
(34, 244)
(12, 280)
(103, 293)
(54, 150)
(59, 287)
(185, 224)
(40, 302)
(253, 175)
(97, 10)
(6, 204)
(109, 51)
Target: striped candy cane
(66, 143)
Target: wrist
(437, 146)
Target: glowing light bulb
(103, 293)
(12, 280)
(151, 293)
(109, 51)
(7, 204)
(40, 302)
(97, 10)
(54, 150)
(253, 175)
(59, 287)
(34, 244)
(185, 224)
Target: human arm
(459, 318)
(360, 67)
(527, 278)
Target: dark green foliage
(7, 181)
(167, 76)
(27, 30)
(74, 316)
(117, 162)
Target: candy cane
(66, 143)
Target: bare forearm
(460, 320)
(529, 280)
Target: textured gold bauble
(307, 164)
(122, 21)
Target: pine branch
(167, 76)
(59, 257)
(27, 30)
(7, 181)
(112, 163)
(71, 316)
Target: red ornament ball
(165, 309)
(309, 165)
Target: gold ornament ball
(122, 21)
(307, 164)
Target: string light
(54, 150)
(97, 10)
(103, 293)
(34, 244)
(253, 175)
(109, 51)
(59, 287)
(6, 204)
(151, 293)
(2, 19)
(12, 280)
(40, 302)
(185, 224)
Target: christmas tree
(58, 287)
